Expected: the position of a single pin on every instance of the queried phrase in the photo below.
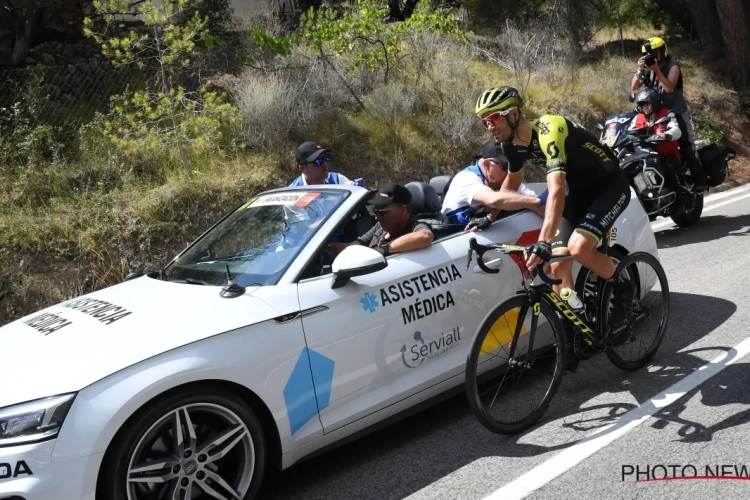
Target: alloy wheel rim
(196, 451)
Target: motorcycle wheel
(683, 218)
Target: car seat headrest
(424, 198)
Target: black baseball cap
(392, 193)
(492, 149)
(309, 151)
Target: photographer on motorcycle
(660, 71)
(650, 111)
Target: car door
(395, 332)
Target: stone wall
(82, 54)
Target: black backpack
(715, 160)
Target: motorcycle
(635, 149)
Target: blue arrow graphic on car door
(311, 376)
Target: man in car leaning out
(396, 230)
(475, 198)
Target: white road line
(728, 192)
(569, 458)
(665, 223)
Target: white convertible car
(247, 352)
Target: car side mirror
(356, 260)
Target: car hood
(71, 345)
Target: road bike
(530, 339)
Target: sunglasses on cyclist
(495, 117)
(319, 160)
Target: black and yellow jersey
(566, 148)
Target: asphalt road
(444, 453)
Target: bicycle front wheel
(510, 394)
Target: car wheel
(195, 443)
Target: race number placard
(297, 199)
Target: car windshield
(258, 242)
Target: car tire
(208, 404)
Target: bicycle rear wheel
(650, 311)
(507, 395)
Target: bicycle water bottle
(571, 299)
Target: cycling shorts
(593, 211)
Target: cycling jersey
(598, 191)
(566, 148)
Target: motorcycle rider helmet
(653, 44)
(648, 96)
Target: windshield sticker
(105, 312)
(300, 199)
(306, 199)
(47, 323)
(421, 307)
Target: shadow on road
(729, 387)
(708, 228)
(413, 453)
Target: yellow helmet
(497, 99)
(654, 43)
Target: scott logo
(596, 150)
(563, 307)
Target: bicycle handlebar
(509, 250)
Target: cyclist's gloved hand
(542, 249)
(478, 222)
(543, 197)
(359, 182)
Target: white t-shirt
(464, 187)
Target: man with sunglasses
(474, 199)
(396, 230)
(660, 71)
(598, 191)
(312, 160)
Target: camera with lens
(649, 60)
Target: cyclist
(650, 111)
(312, 160)
(598, 191)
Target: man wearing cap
(312, 160)
(396, 230)
(474, 197)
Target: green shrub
(706, 127)
(25, 138)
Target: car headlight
(33, 421)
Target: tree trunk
(706, 20)
(26, 30)
(734, 27)
(394, 10)
(677, 10)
